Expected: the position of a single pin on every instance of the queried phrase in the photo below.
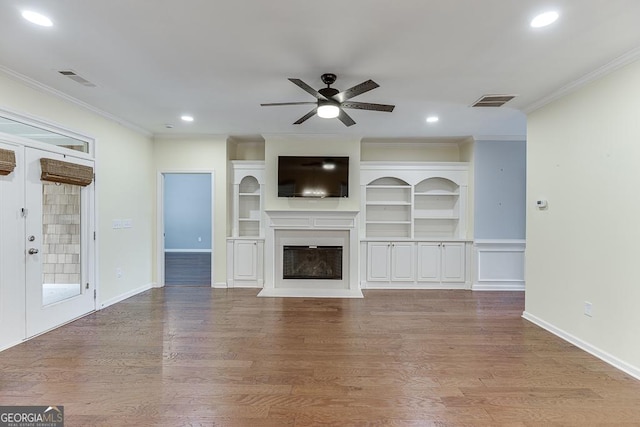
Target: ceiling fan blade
(287, 103)
(302, 85)
(345, 118)
(368, 106)
(356, 90)
(306, 117)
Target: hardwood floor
(202, 357)
(187, 268)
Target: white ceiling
(153, 60)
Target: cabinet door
(245, 260)
(378, 261)
(453, 262)
(429, 261)
(402, 262)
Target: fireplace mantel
(314, 226)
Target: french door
(58, 246)
(46, 249)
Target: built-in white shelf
(414, 201)
(248, 177)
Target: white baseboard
(415, 285)
(219, 285)
(506, 285)
(310, 293)
(251, 284)
(6, 346)
(634, 371)
(124, 296)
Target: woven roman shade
(66, 173)
(7, 161)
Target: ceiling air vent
(76, 78)
(493, 100)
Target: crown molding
(619, 62)
(34, 84)
(189, 136)
(489, 138)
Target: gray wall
(500, 189)
(187, 211)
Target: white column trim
(498, 265)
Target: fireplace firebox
(312, 262)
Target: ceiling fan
(331, 103)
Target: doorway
(187, 206)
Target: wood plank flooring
(187, 268)
(202, 357)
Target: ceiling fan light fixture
(328, 111)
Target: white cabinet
(245, 263)
(378, 261)
(429, 261)
(416, 265)
(245, 249)
(391, 261)
(441, 262)
(453, 262)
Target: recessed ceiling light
(186, 118)
(432, 119)
(36, 18)
(544, 19)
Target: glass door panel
(61, 267)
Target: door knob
(33, 251)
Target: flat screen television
(317, 177)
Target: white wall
(187, 211)
(311, 145)
(583, 156)
(417, 151)
(124, 184)
(198, 155)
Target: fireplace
(312, 262)
(311, 254)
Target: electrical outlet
(127, 223)
(116, 224)
(119, 273)
(588, 309)
(199, 239)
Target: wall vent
(493, 100)
(76, 78)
